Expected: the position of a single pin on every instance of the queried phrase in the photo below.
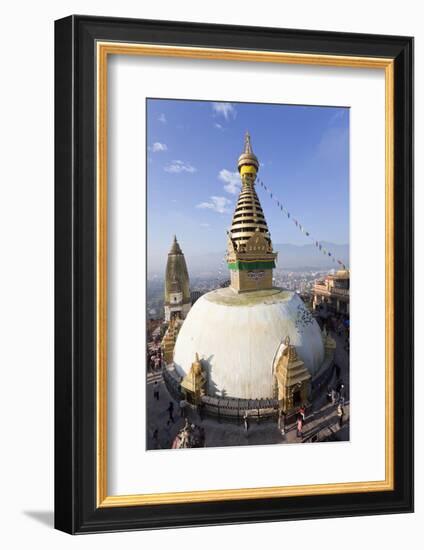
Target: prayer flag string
(316, 243)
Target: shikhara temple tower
(177, 284)
(250, 255)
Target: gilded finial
(247, 144)
(248, 158)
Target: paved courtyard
(321, 423)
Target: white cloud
(217, 204)
(231, 180)
(162, 118)
(219, 126)
(178, 166)
(226, 110)
(157, 147)
(204, 225)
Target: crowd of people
(154, 359)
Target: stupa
(239, 333)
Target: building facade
(332, 293)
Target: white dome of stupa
(238, 335)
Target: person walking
(157, 363)
(156, 390)
(340, 414)
(299, 425)
(246, 422)
(282, 420)
(170, 410)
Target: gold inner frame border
(103, 50)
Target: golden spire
(250, 255)
(248, 216)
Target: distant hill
(290, 256)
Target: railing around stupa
(224, 408)
(230, 408)
(235, 409)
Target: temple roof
(175, 248)
(176, 277)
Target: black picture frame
(76, 510)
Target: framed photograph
(234, 274)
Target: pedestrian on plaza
(281, 420)
(340, 414)
(170, 410)
(333, 396)
(202, 437)
(156, 390)
(329, 394)
(299, 424)
(302, 413)
(246, 422)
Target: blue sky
(192, 179)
